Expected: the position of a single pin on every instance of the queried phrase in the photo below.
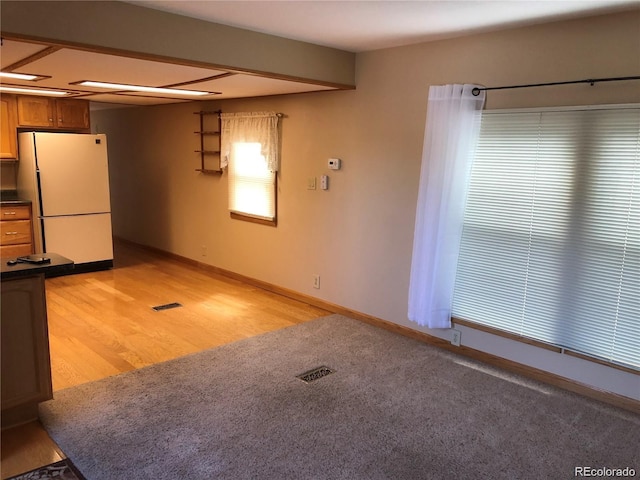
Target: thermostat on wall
(334, 163)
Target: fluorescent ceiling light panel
(18, 76)
(32, 91)
(140, 88)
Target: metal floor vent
(315, 374)
(167, 306)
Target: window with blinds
(551, 240)
(251, 184)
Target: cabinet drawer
(12, 251)
(20, 212)
(15, 231)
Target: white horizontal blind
(551, 241)
(251, 183)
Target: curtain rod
(476, 91)
(248, 114)
(218, 112)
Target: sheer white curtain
(451, 134)
(251, 127)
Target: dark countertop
(10, 197)
(58, 265)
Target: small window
(252, 189)
(250, 149)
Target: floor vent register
(315, 374)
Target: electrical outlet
(455, 338)
(203, 250)
(316, 281)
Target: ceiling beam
(130, 30)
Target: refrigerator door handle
(39, 196)
(43, 239)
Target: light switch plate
(311, 183)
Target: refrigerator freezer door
(73, 172)
(81, 238)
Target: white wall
(358, 235)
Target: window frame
(247, 217)
(533, 341)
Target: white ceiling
(348, 25)
(358, 26)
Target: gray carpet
(393, 409)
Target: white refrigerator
(66, 177)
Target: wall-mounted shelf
(209, 148)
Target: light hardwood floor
(102, 324)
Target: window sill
(248, 218)
(539, 344)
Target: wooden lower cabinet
(26, 365)
(16, 231)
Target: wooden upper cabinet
(8, 123)
(72, 113)
(59, 113)
(35, 111)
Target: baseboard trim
(610, 398)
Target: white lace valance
(260, 127)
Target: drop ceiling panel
(236, 86)
(67, 66)
(12, 52)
